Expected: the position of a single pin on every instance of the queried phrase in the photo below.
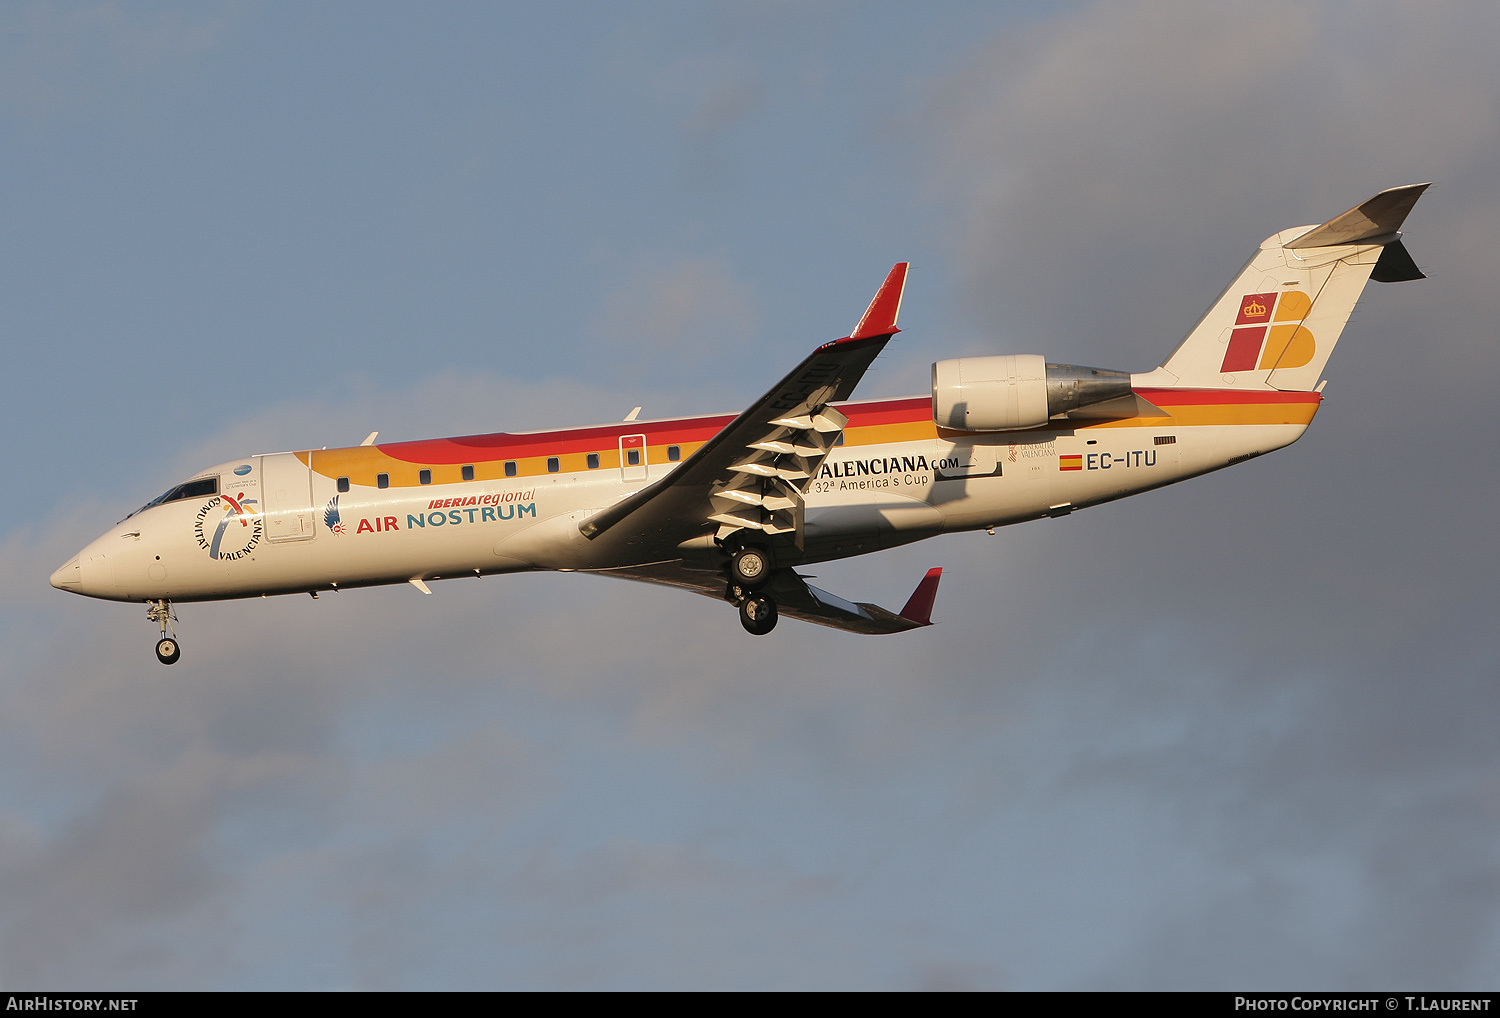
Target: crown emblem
(1254, 309)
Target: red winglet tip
(880, 316)
(919, 607)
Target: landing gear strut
(758, 614)
(168, 650)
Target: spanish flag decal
(1070, 463)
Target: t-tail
(1276, 324)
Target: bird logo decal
(331, 515)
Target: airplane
(732, 506)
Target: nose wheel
(168, 650)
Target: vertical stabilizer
(1279, 320)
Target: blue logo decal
(242, 469)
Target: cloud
(1110, 144)
(1277, 664)
(677, 310)
(1238, 731)
(181, 799)
(705, 96)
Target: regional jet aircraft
(731, 507)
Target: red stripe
(690, 430)
(505, 445)
(888, 411)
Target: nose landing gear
(168, 650)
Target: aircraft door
(286, 486)
(1031, 463)
(632, 458)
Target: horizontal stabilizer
(1381, 216)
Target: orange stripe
(362, 463)
(1221, 414)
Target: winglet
(919, 607)
(880, 316)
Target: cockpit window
(197, 488)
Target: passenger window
(553, 466)
(674, 453)
(469, 472)
(593, 461)
(382, 480)
(424, 476)
(343, 485)
(633, 457)
(510, 468)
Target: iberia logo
(228, 541)
(1259, 341)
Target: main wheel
(167, 650)
(750, 568)
(758, 615)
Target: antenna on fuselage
(370, 438)
(633, 414)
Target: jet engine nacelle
(1013, 392)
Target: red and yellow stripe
(876, 422)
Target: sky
(1233, 734)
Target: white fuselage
(273, 525)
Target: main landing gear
(749, 569)
(168, 650)
(758, 614)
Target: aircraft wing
(797, 598)
(752, 475)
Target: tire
(758, 614)
(750, 568)
(168, 650)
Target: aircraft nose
(69, 577)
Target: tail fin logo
(1255, 307)
(1255, 341)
